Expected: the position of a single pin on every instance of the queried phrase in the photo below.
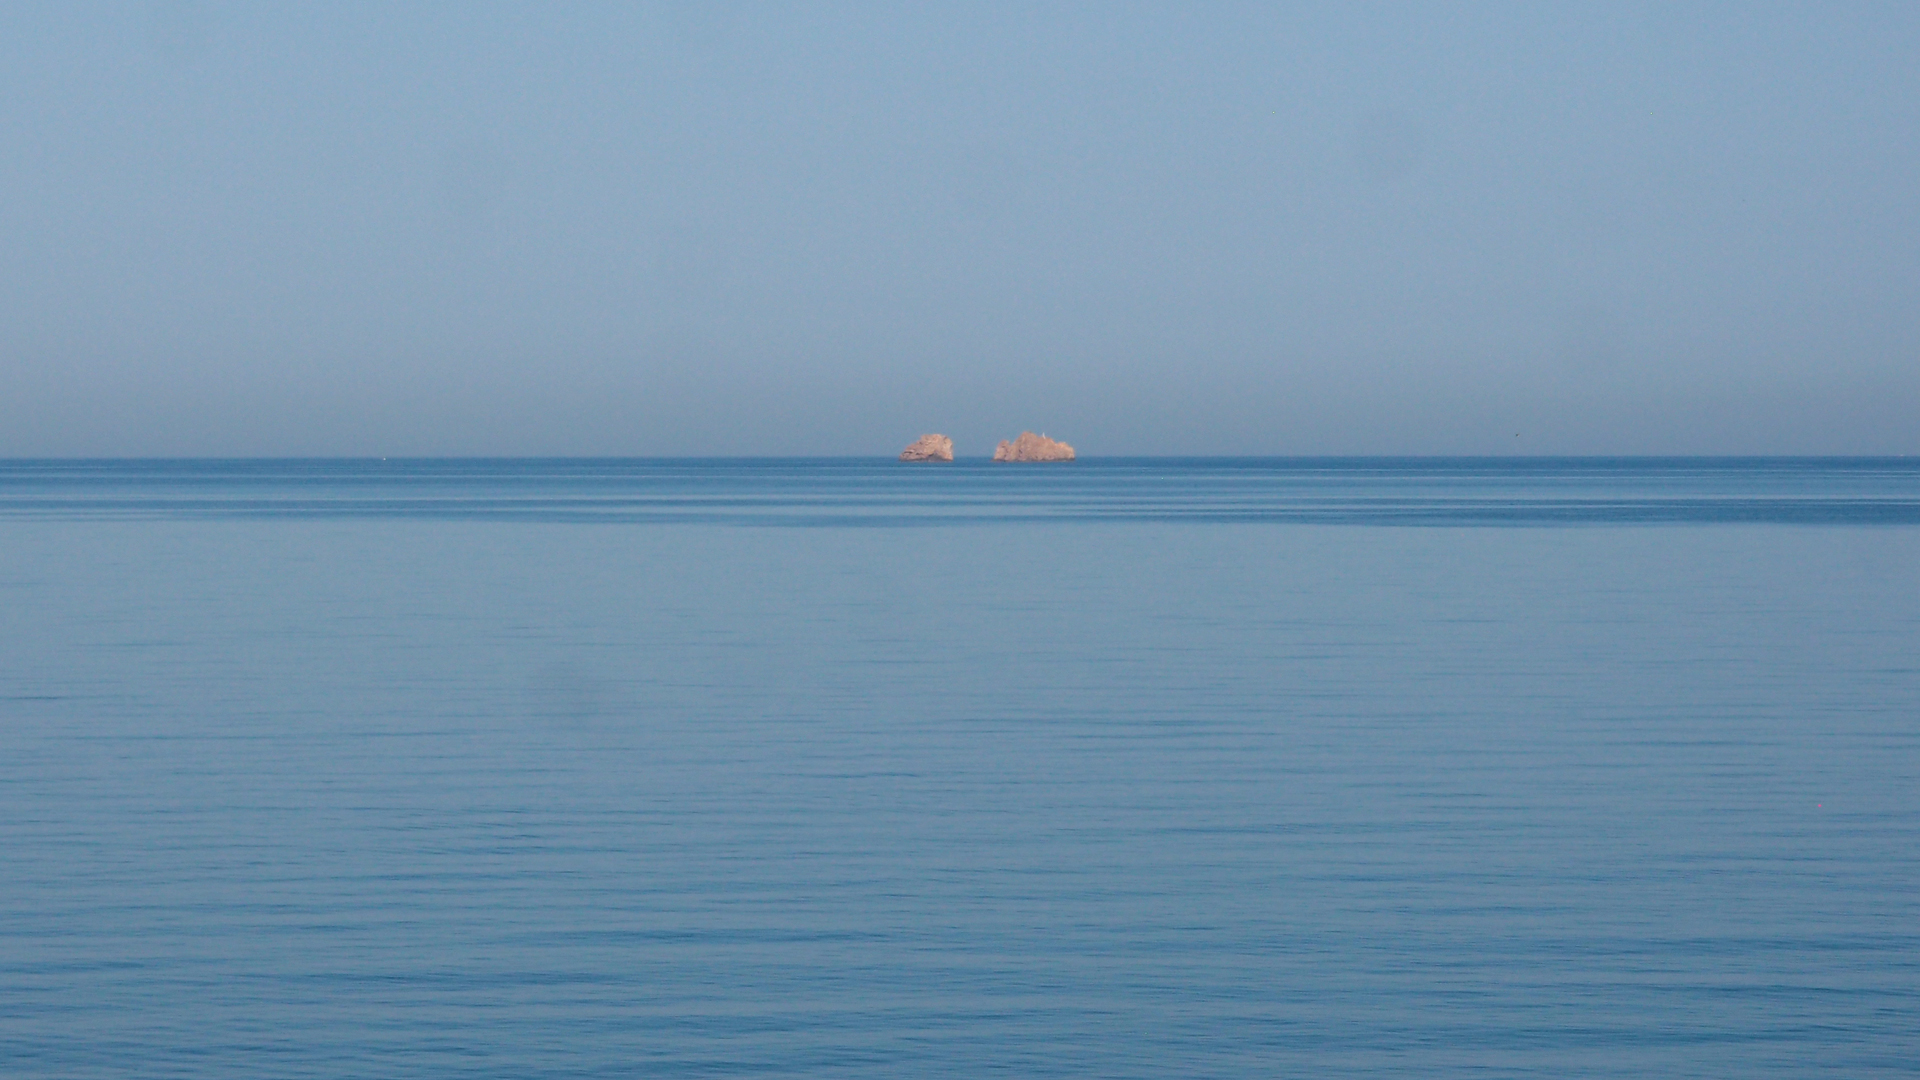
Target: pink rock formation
(929, 448)
(1031, 447)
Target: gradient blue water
(845, 768)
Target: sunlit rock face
(929, 448)
(1031, 447)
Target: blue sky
(706, 229)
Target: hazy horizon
(961, 456)
(680, 230)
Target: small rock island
(929, 448)
(1031, 447)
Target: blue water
(848, 768)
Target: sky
(703, 229)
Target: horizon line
(983, 458)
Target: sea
(849, 768)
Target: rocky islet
(929, 448)
(1031, 447)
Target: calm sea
(844, 768)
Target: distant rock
(1031, 447)
(929, 448)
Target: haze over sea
(827, 768)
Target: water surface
(845, 768)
